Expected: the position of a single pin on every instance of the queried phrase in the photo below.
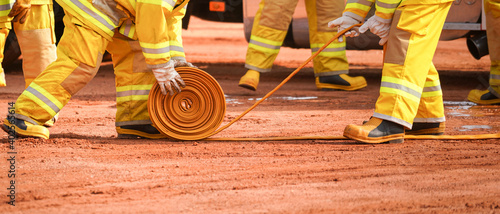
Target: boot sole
(398, 138)
(129, 133)
(484, 102)
(23, 134)
(333, 87)
(431, 131)
(249, 87)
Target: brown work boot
(340, 82)
(426, 129)
(376, 131)
(139, 131)
(483, 97)
(250, 80)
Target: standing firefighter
(33, 23)
(491, 96)
(410, 91)
(269, 30)
(140, 35)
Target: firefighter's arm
(354, 13)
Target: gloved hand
(20, 10)
(377, 26)
(182, 63)
(344, 22)
(168, 78)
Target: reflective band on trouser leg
(493, 35)
(268, 32)
(35, 40)
(332, 60)
(133, 81)
(174, 24)
(79, 55)
(4, 32)
(408, 61)
(431, 108)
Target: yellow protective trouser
(36, 40)
(76, 64)
(410, 90)
(79, 54)
(133, 81)
(492, 10)
(271, 25)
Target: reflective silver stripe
(393, 119)
(25, 118)
(170, 2)
(5, 7)
(93, 14)
(388, 6)
(331, 73)
(133, 122)
(328, 49)
(262, 70)
(128, 25)
(433, 88)
(354, 16)
(43, 99)
(402, 88)
(429, 120)
(132, 93)
(264, 44)
(156, 51)
(495, 76)
(176, 48)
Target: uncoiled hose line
(197, 111)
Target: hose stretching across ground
(198, 110)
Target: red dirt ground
(84, 168)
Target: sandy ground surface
(84, 168)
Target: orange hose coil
(194, 113)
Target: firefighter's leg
(492, 95)
(407, 67)
(330, 66)
(430, 118)
(268, 32)
(4, 32)
(133, 81)
(79, 55)
(37, 42)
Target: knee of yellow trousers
(38, 51)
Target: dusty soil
(84, 168)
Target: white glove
(182, 63)
(167, 78)
(344, 22)
(377, 26)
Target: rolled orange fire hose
(198, 110)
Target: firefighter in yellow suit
(491, 96)
(136, 33)
(35, 34)
(269, 30)
(34, 28)
(410, 92)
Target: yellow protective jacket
(148, 21)
(358, 9)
